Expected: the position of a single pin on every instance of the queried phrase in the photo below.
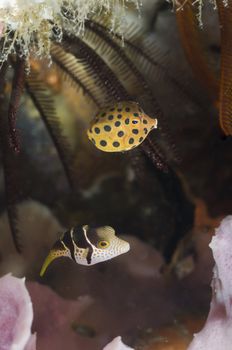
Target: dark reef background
(160, 290)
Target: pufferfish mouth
(125, 248)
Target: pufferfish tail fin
(51, 256)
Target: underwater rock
(117, 344)
(55, 319)
(216, 334)
(38, 230)
(175, 336)
(16, 315)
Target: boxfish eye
(134, 121)
(103, 244)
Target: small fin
(51, 256)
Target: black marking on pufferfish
(68, 243)
(75, 237)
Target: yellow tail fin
(51, 256)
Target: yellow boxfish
(120, 127)
(87, 245)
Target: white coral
(117, 344)
(29, 25)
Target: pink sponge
(217, 332)
(16, 315)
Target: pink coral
(216, 334)
(54, 319)
(16, 315)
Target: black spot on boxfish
(131, 141)
(145, 121)
(93, 141)
(141, 139)
(117, 123)
(97, 130)
(119, 109)
(103, 143)
(116, 144)
(107, 128)
(120, 133)
(127, 121)
(119, 116)
(145, 130)
(127, 109)
(135, 131)
(111, 117)
(136, 114)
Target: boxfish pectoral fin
(54, 254)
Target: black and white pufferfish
(120, 127)
(87, 245)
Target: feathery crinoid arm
(225, 19)
(72, 71)
(126, 68)
(16, 93)
(44, 103)
(10, 163)
(153, 152)
(101, 41)
(96, 67)
(133, 61)
(192, 43)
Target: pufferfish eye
(103, 244)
